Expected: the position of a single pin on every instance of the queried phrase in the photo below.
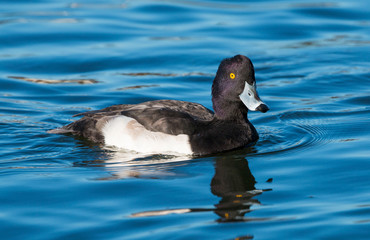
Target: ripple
(299, 130)
(96, 5)
(170, 38)
(140, 74)
(137, 87)
(340, 40)
(55, 81)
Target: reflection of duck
(233, 182)
(128, 164)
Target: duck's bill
(251, 99)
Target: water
(306, 178)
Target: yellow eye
(232, 75)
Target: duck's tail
(60, 131)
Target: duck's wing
(196, 110)
(169, 116)
(166, 116)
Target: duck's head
(234, 84)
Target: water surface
(306, 178)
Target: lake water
(308, 177)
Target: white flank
(125, 132)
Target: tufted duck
(164, 126)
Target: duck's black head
(234, 88)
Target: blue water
(306, 178)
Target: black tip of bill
(262, 108)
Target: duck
(180, 127)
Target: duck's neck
(230, 111)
